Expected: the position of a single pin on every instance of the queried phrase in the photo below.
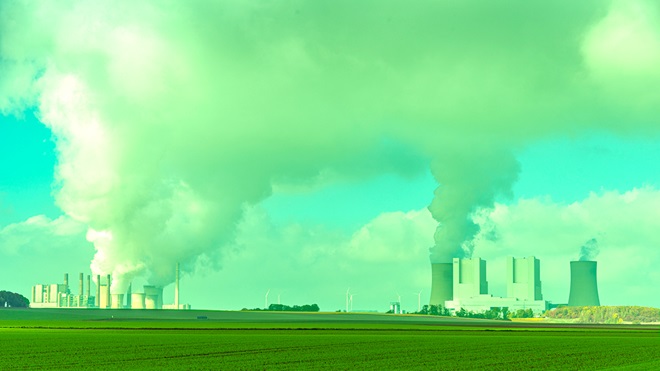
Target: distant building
(59, 295)
(471, 287)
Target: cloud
(313, 264)
(624, 223)
(170, 119)
(39, 249)
(386, 255)
(40, 233)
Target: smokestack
(584, 285)
(129, 296)
(97, 301)
(442, 283)
(89, 285)
(107, 298)
(66, 282)
(82, 276)
(176, 288)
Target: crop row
(236, 349)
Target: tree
(12, 299)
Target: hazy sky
(308, 148)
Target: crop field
(235, 340)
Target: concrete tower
(442, 288)
(137, 300)
(89, 285)
(469, 278)
(97, 300)
(153, 297)
(176, 288)
(107, 296)
(584, 285)
(523, 278)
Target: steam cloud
(589, 251)
(170, 118)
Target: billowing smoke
(469, 181)
(589, 251)
(170, 118)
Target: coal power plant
(61, 295)
(463, 284)
(584, 284)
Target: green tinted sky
(304, 141)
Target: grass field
(65, 339)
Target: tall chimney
(66, 282)
(82, 276)
(176, 288)
(584, 285)
(98, 291)
(89, 285)
(442, 283)
(108, 302)
(129, 295)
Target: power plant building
(470, 286)
(58, 295)
(523, 278)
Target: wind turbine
(267, 292)
(347, 293)
(351, 300)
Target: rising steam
(170, 118)
(590, 250)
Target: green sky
(302, 139)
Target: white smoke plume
(589, 251)
(169, 118)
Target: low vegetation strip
(606, 314)
(342, 349)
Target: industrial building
(469, 286)
(584, 284)
(60, 295)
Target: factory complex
(462, 284)
(459, 285)
(60, 295)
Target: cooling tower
(152, 297)
(137, 300)
(117, 301)
(442, 284)
(584, 285)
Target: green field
(65, 339)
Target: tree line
(286, 308)
(13, 300)
(614, 314)
(502, 313)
